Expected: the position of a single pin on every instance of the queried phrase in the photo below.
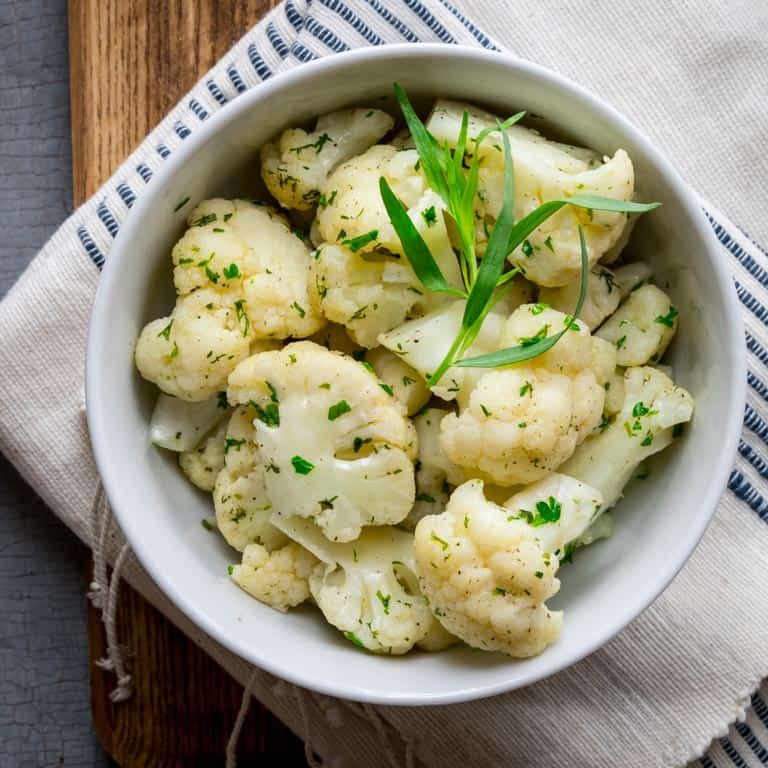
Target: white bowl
(658, 523)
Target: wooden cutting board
(130, 62)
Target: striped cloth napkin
(664, 691)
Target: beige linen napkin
(694, 76)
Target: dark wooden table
(130, 61)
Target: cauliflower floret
(180, 425)
(523, 421)
(652, 406)
(279, 578)
(295, 166)
(190, 354)
(544, 170)
(336, 338)
(356, 214)
(435, 474)
(631, 276)
(366, 296)
(488, 573)
(241, 275)
(642, 327)
(602, 298)
(242, 506)
(203, 464)
(406, 384)
(335, 446)
(367, 588)
(423, 342)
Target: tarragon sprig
(483, 282)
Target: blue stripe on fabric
(754, 269)
(480, 36)
(758, 385)
(181, 130)
(428, 18)
(163, 151)
(756, 348)
(258, 64)
(126, 194)
(744, 491)
(302, 53)
(325, 36)
(277, 42)
(198, 109)
(733, 753)
(97, 257)
(751, 303)
(746, 733)
(754, 458)
(760, 709)
(706, 762)
(393, 21)
(353, 20)
(107, 219)
(236, 80)
(216, 92)
(145, 172)
(294, 17)
(755, 423)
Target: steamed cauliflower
(544, 170)
(525, 420)
(334, 445)
(601, 300)
(203, 464)
(295, 166)
(653, 405)
(407, 385)
(243, 508)
(489, 570)
(368, 588)
(279, 578)
(367, 296)
(435, 474)
(642, 327)
(241, 276)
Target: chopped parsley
(359, 442)
(166, 332)
(384, 600)
(430, 216)
(356, 243)
(353, 638)
(528, 341)
(318, 145)
(232, 444)
(206, 523)
(442, 542)
(231, 271)
(537, 309)
(221, 400)
(499, 591)
(324, 202)
(181, 204)
(299, 308)
(387, 389)
(620, 343)
(338, 409)
(527, 388)
(269, 415)
(242, 317)
(327, 503)
(527, 248)
(204, 220)
(546, 512)
(548, 243)
(301, 465)
(425, 497)
(669, 319)
(485, 411)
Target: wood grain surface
(130, 61)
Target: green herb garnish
(301, 465)
(339, 409)
(356, 243)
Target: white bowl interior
(658, 522)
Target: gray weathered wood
(45, 717)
